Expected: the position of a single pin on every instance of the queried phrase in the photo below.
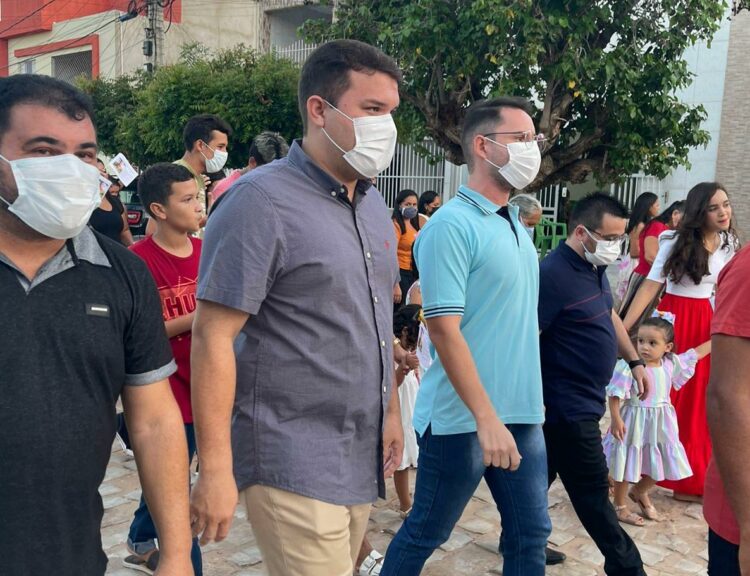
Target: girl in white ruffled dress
(643, 444)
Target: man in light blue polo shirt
(479, 410)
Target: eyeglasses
(606, 238)
(528, 137)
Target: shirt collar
(87, 247)
(328, 183)
(484, 205)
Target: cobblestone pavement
(675, 547)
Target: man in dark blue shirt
(580, 338)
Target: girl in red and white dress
(689, 262)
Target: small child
(643, 445)
(170, 196)
(406, 328)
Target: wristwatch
(636, 362)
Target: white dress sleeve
(657, 268)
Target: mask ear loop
(72, 251)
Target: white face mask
(524, 160)
(375, 143)
(56, 195)
(217, 162)
(529, 231)
(607, 251)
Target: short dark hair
(43, 91)
(155, 184)
(660, 323)
(590, 210)
(267, 147)
(200, 127)
(483, 115)
(326, 71)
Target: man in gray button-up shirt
(297, 269)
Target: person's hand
(618, 429)
(202, 221)
(169, 567)
(411, 361)
(397, 294)
(641, 379)
(213, 501)
(393, 442)
(498, 445)
(206, 181)
(399, 354)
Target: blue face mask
(409, 212)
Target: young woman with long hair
(645, 208)
(689, 262)
(406, 221)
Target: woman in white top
(689, 261)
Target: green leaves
(143, 115)
(625, 58)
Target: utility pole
(153, 45)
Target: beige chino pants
(300, 536)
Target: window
(27, 66)
(68, 67)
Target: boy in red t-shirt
(170, 196)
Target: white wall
(709, 66)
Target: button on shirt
(473, 265)
(315, 361)
(578, 341)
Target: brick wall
(733, 162)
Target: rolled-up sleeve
(444, 259)
(243, 250)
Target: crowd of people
(306, 346)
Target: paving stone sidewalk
(675, 547)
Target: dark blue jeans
(142, 530)
(449, 471)
(723, 556)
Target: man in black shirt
(81, 325)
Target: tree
(603, 73)
(143, 115)
(113, 99)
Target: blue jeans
(449, 471)
(723, 556)
(142, 530)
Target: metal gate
(410, 170)
(551, 200)
(634, 186)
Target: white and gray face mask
(524, 161)
(56, 194)
(375, 143)
(607, 251)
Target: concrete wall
(216, 25)
(733, 165)
(709, 66)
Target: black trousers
(574, 452)
(723, 556)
